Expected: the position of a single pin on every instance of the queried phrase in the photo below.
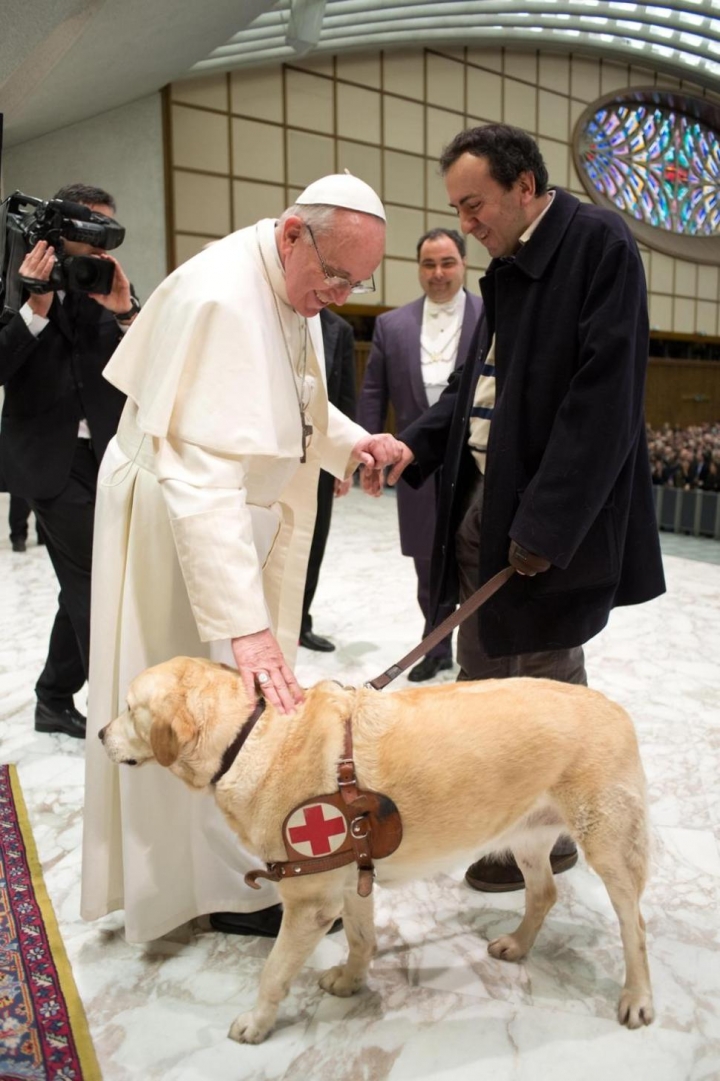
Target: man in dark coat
(541, 434)
(414, 351)
(339, 348)
(58, 417)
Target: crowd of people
(686, 457)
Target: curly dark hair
(510, 153)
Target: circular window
(655, 156)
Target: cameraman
(58, 417)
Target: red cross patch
(317, 829)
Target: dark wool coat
(567, 472)
(394, 377)
(52, 382)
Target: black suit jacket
(339, 346)
(51, 383)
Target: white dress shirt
(439, 340)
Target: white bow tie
(447, 309)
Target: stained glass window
(656, 164)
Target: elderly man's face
(495, 216)
(352, 250)
(441, 269)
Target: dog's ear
(170, 733)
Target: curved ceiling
(72, 59)
(682, 39)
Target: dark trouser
(422, 569)
(18, 518)
(67, 523)
(325, 497)
(564, 665)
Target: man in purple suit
(414, 351)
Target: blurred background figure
(339, 345)
(415, 349)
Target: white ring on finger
(262, 677)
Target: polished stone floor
(437, 1007)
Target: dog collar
(235, 747)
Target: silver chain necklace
(445, 352)
(305, 428)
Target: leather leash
(471, 605)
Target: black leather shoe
(490, 875)
(314, 641)
(265, 923)
(70, 720)
(428, 667)
(19, 545)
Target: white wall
(120, 151)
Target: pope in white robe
(204, 520)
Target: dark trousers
(18, 518)
(325, 497)
(422, 569)
(564, 665)
(67, 523)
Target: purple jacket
(394, 377)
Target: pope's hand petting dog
(526, 562)
(262, 666)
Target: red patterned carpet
(43, 1029)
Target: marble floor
(437, 1006)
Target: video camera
(24, 220)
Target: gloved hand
(526, 562)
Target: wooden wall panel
(682, 392)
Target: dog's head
(181, 714)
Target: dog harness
(334, 830)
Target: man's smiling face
(494, 215)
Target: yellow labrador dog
(472, 767)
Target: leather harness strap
(360, 825)
(471, 605)
(375, 830)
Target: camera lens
(85, 274)
(89, 274)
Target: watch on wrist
(123, 317)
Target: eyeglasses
(337, 281)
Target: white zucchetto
(343, 190)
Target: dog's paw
(506, 948)
(635, 1008)
(247, 1029)
(337, 981)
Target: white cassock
(203, 526)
